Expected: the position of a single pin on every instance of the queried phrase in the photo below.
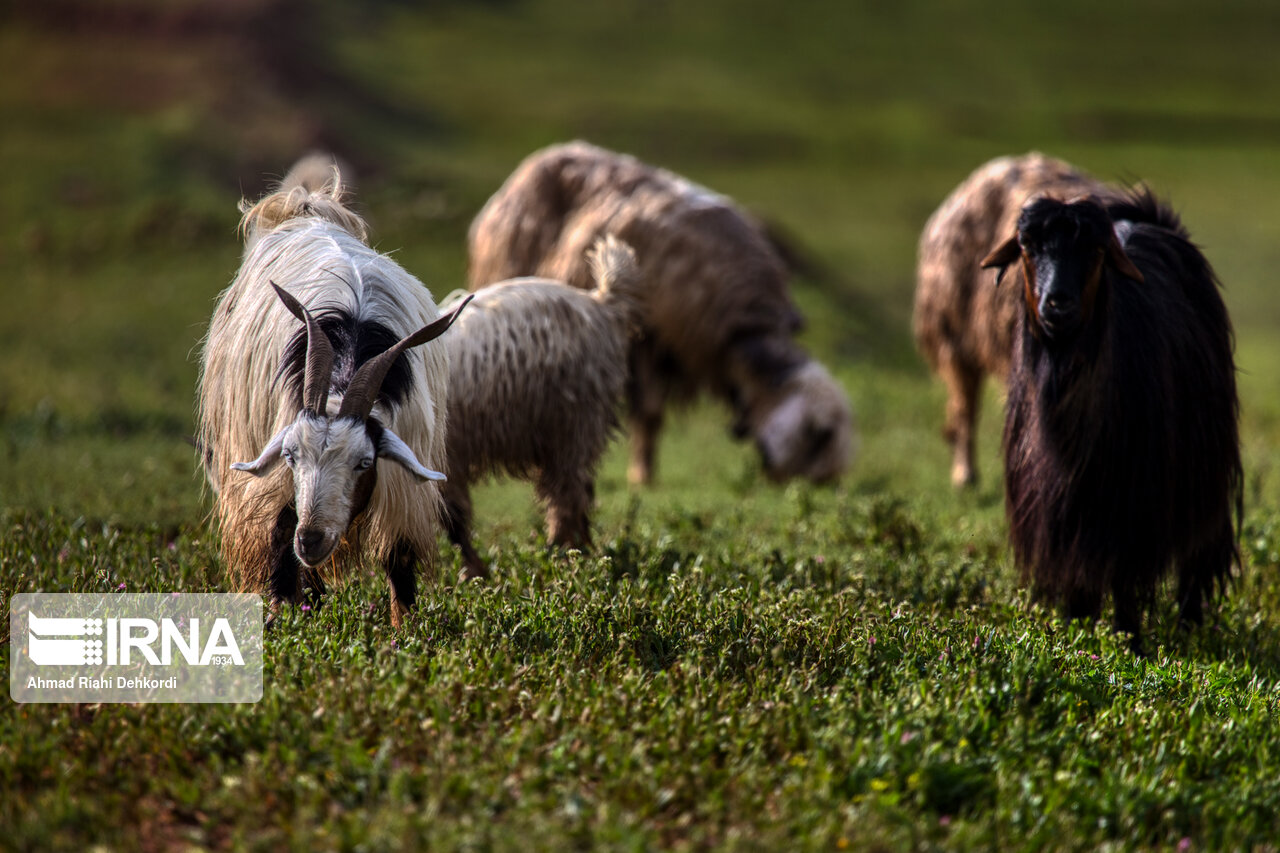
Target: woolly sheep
(716, 314)
(537, 371)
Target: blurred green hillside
(132, 127)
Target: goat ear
(268, 458)
(1120, 261)
(1003, 255)
(392, 447)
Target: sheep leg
(645, 402)
(644, 445)
(457, 520)
(568, 510)
(401, 566)
(1191, 596)
(964, 384)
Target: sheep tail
(312, 188)
(617, 275)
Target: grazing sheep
(963, 326)
(1122, 454)
(310, 358)
(537, 370)
(716, 314)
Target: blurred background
(130, 129)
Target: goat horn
(363, 391)
(1116, 255)
(315, 389)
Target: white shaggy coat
(304, 240)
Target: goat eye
(365, 464)
(288, 458)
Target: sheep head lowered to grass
(332, 456)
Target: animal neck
(1070, 387)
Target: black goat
(1122, 455)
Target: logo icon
(49, 646)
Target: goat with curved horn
(330, 502)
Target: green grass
(737, 665)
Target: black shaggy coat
(1122, 455)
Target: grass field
(738, 665)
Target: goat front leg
(402, 576)
(313, 587)
(646, 398)
(284, 568)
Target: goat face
(809, 432)
(333, 455)
(333, 464)
(1064, 248)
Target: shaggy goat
(963, 326)
(537, 370)
(1121, 445)
(715, 309)
(323, 375)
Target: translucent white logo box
(137, 647)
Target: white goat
(329, 396)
